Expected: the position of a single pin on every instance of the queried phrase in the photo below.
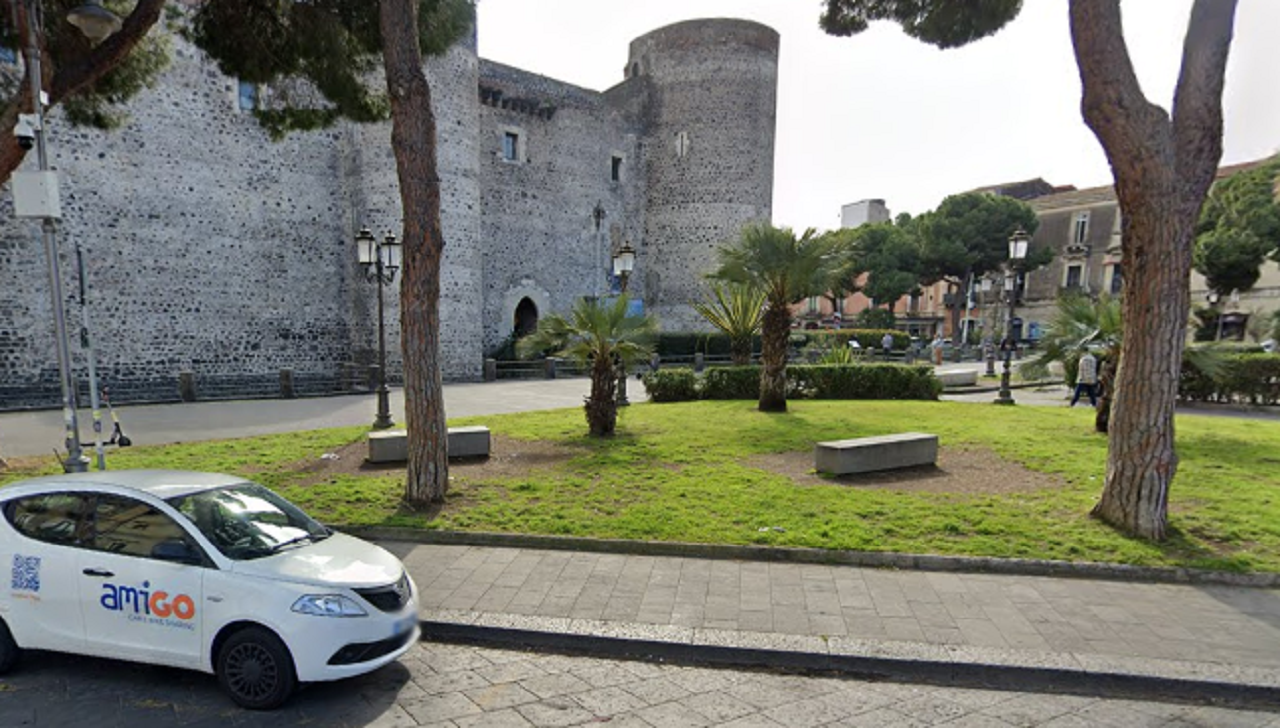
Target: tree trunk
(740, 352)
(775, 331)
(63, 82)
(413, 140)
(1163, 169)
(602, 403)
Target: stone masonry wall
(709, 133)
(208, 248)
(539, 230)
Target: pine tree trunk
(602, 403)
(413, 139)
(1163, 168)
(776, 329)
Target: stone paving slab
(1214, 634)
(453, 686)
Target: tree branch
(1113, 104)
(1197, 102)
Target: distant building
(863, 212)
(1083, 228)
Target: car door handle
(98, 572)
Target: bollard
(286, 384)
(655, 361)
(550, 365)
(490, 370)
(187, 386)
(371, 377)
(699, 361)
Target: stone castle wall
(214, 250)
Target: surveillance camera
(25, 130)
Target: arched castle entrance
(526, 318)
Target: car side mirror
(175, 550)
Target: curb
(941, 672)
(871, 559)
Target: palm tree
(597, 334)
(737, 310)
(787, 269)
(1082, 323)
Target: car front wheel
(9, 650)
(255, 669)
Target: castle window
(1081, 231)
(248, 96)
(682, 144)
(1117, 280)
(615, 169)
(510, 146)
(1075, 273)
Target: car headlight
(328, 605)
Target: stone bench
(961, 378)
(869, 454)
(392, 446)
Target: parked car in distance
(196, 570)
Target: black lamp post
(38, 192)
(623, 263)
(1017, 251)
(380, 261)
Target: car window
(126, 526)
(51, 517)
(248, 521)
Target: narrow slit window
(615, 169)
(510, 146)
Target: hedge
(863, 381)
(671, 385)
(1252, 378)
(731, 383)
(820, 381)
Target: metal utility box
(35, 194)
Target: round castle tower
(709, 140)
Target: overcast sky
(883, 116)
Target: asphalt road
(450, 686)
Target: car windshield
(247, 521)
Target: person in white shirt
(1086, 379)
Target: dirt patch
(510, 457)
(971, 471)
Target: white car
(200, 571)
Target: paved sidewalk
(1204, 634)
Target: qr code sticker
(26, 573)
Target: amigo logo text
(147, 603)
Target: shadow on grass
(877, 478)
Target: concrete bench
(961, 378)
(392, 446)
(869, 454)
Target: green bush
(828, 381)
(1244, 377)
(731, 383)
(672, 385)
(864, 381)
(875, 318)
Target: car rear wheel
(9, 650)
(254, 668)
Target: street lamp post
(37, 196)
(380, 262)
(1017, 251)
(623, 263)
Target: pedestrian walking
(937, 345)
(886, 344)
(1086, 379)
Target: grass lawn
(684, 472)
